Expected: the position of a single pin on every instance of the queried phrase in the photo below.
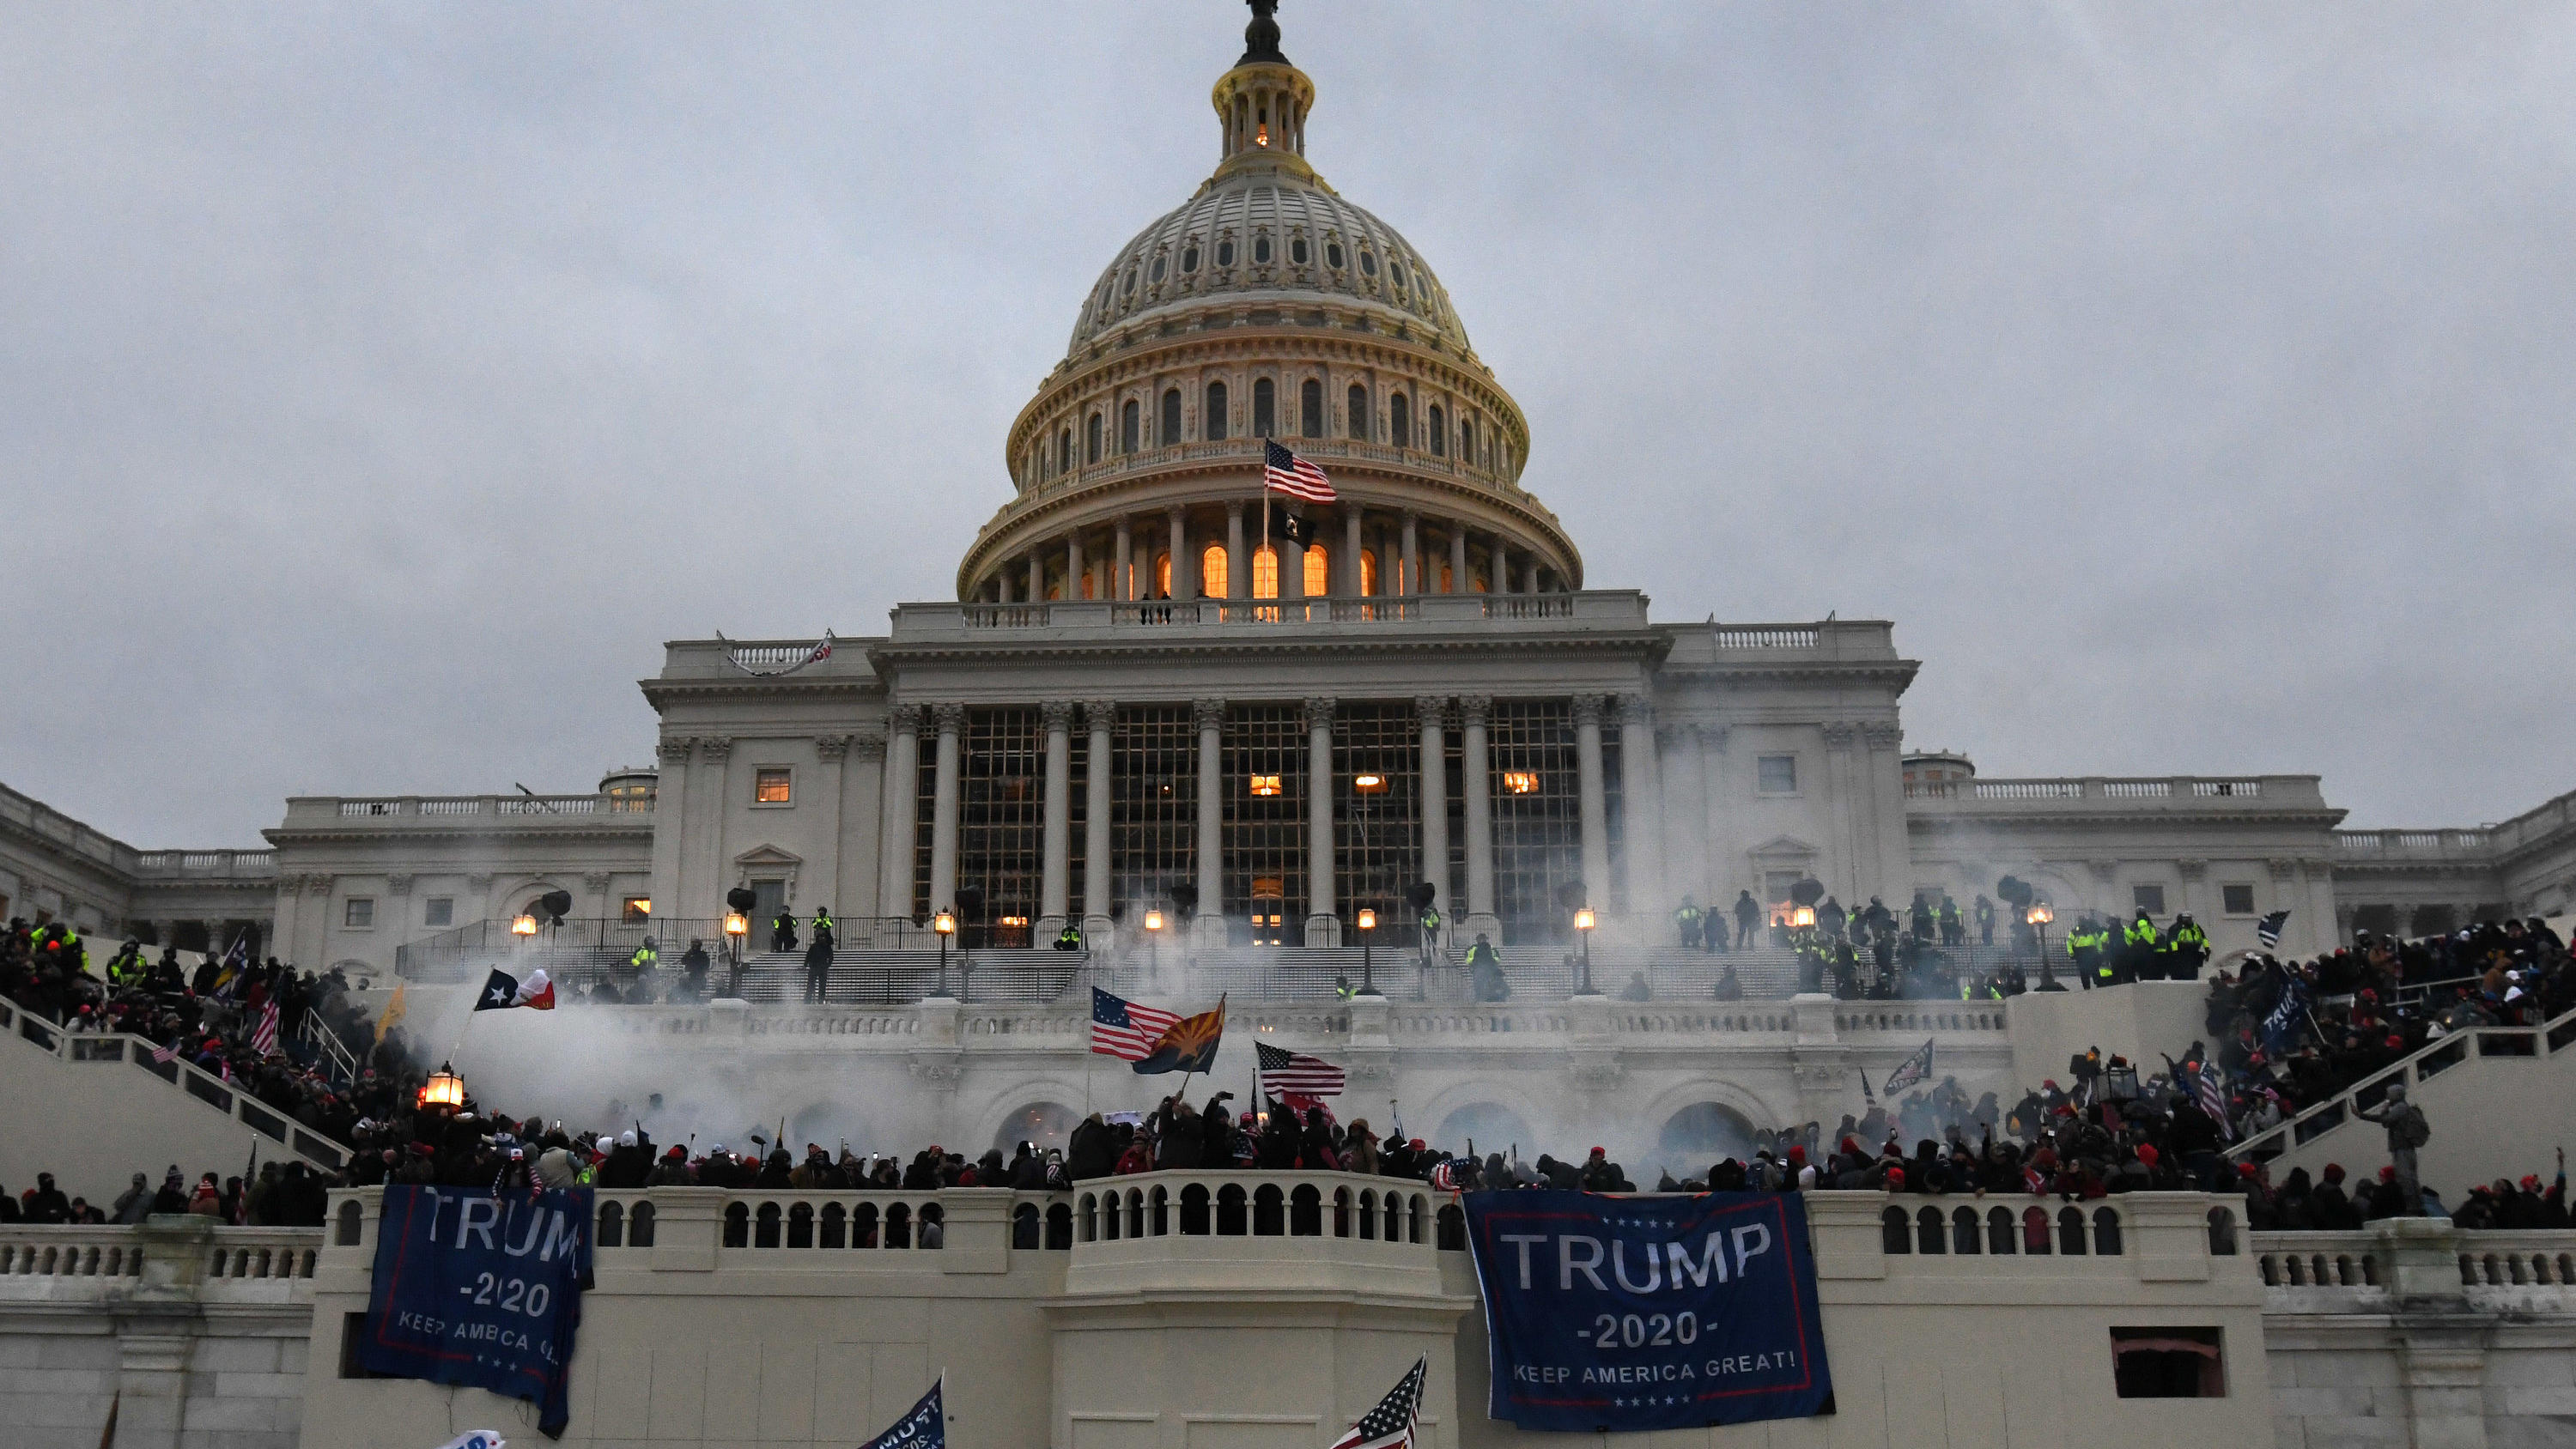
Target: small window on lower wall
(2168, 1363)
(2236, 900)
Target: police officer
(2187, 948)
(1953, 931)
(824, 930)
(126, 966)
(644, 960)
(1070, 937)
(1430, 931)
(2084, 950)
(1686, 920)
(2138, 946)
(1985, 921)
(1343, 990)
(782, 931)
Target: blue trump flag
(926, 1427)
(480, 1289)
(1630, 1314)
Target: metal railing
(2524, 1043)
(195, 1081)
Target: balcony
(2090, 794)
(475, 813)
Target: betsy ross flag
(1285, 472)
(1916, 1068)
(1122, 1029)
(2268, 931)
(503, 991)
(263, 1038)
(1295, 1078)
(1391, 1423)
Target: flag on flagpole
(501, 991)
(1916, 1068)
(263, 1038)
(394, 1011)
(1284, 472)
(1120, 1028)
(2209, 1089)
(165, 1054)
(1392, 1423)
(1187, 1045)
(1296, 1078)
(2268, 931)
(925, 1427)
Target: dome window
(1225, 252)
(1395, 272)
(1310, 409)
(1261, 250)
(1333, 255)
(1212, 421)
(1297, 250)
(1368, 264)
(1189, 260)
(1128, 287)
(1158, 269)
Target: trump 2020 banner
(1630, 1314)
(481, 1290)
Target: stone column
(1209, 929)
(1411, 582)
(1641, 797)
(1292, 572)
(1390, 567)
(1323, 926)
(1055, 853)
(1002, 585)
(1097, 874)
(1184, 577)
(1477, 785)
(831, 753)
(1529, 577)
(1686, 822)
(1238, 564)
(1351, 550)
(897, 805)
(1592, 800)
(1073, 566)
(1124, 585)
(1037, 577)
(1500, 566)
(1458, 560)
(951, 718)
(1433, 712)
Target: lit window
(2149, 898)
(770, 787)
(1368, 571)
(438, 911)
(358, 913)
(2237, 900)
(1319, 572)
(1777, 774)
(1265, 572)
(1369, 784)
(1520, 782)
(1265, 785)
(638, 910)
(1212, 571)
(1163, 574)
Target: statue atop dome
(1261, 37)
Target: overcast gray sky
(380, 385)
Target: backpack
(2412, 1129)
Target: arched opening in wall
(1130, 422)
(1163, 575)
(1319, 571)
(1212, 421)
(1064, 451)
(1466, 439)
(1492, 1126)
(1265, 572)
(1091, 439)
(1265, 408)
(1368, 571)
(1310, 403)
(1399, 421)
(1171, 429)
(1359, 413)
(1212, 571)
(1699, 1136)
(1048, 1124)
(1437, 426)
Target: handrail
(234, 1102)
(2448, 1051)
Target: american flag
(263, 1038)
(1285, 472)
(1390, 1424)
(1290, 1075)
(165, 1054)
(1122, 1029)
(2268, 931)
(2209, 1089)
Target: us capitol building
(1134, 697)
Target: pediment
(772, 856)
(1783, 847)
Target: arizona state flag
(1187, 1045)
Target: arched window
(1319, 571)
(1437, 427)
(1064, 451)
(1310, 409)
(1466, 439)
(1130, 426)
(1359, 412)
(1212, 422)
(1212, 570)
(1091, 439)
(1163, 575)
(1265, 572)
(1399, 421)
(1171, 432)
(1265, 408)
(1368, 571)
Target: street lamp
(944, 925)
(1583, 923)
(1368, 972)
(736, 926)
(2037, 918)
(524, 926)
(444, 1092)
(1154, 942)
(1803, 918)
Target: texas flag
(504, 991)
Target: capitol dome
(1266, 307)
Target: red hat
(1797, 1153)
(2388, 1174)
(2247, 1169)
(2531, 1183)
(2334, 1172)
(1896, 1177)
(2147, 1153)
(677, 1154)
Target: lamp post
(1154, 943)
(1368, 971)
(2038, 917)
(1583, 923)
(736, 926)
(443, 1093)
(943, 925)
